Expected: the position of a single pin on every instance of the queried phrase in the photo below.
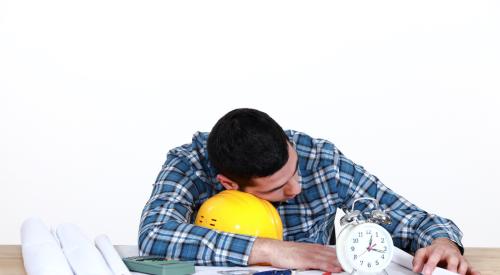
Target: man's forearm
(261, 251)
(295, 255)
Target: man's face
(282, 185)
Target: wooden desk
(486, 260)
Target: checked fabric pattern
(329, 181)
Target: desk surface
(486, 260)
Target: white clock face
(369, 247)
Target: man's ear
(227, 183)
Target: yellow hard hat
(240, 213)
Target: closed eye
(281, 186)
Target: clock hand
(370, 248)
(363, 253)
(371, 239)
(378, 250)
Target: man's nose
(293, 188)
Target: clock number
(383, 256)
(368, 232)
(361, 262)
(352, 248)
(355, 256)
(376, 262)
(369, 264)
(360, 234)
(376, 234)
(355, 240)
(383, 240)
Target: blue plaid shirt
(329, 181)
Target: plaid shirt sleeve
(411, 228)
(165, 228)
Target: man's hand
(294, 255)
(443, 252)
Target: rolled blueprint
(41, 253)
(82, 255)
(114, 261)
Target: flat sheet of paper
(401, 264)
(392, 269)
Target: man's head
(252, 154)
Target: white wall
(94, 93)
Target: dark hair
(247, 143)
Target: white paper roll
(82, 255)
(114, 261)
(41, 253)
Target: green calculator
(158, 265)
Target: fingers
(419, 259)
(453, 262)
(327, 259)
(329, 268)
(337, 269)
(426, 259)
(464, 266)
(329, 256)
(433, 261)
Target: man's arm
(433, 238)
(441, 250)
(411, 228)
(294, 255)
(165, 228)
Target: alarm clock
(362, 244)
